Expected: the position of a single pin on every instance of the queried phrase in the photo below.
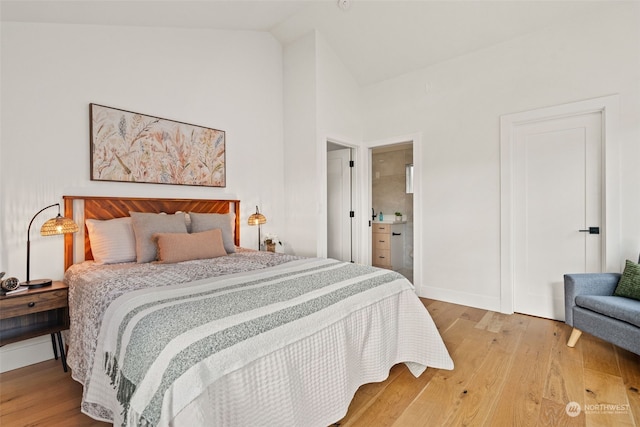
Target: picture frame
(134, 147)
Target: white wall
(339, 96)
(339, 118)
(322, 100)
(50, 73)
(458, 117)
(300, 155)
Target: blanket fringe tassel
(125, 388)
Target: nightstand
(36, 312)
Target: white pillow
(112, 241)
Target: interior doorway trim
(322, 226)
(608, 107)
(416, 139)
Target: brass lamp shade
(257, 219)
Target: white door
(339, 204)
(557, 194)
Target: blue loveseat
(591, 307)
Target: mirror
(409, 178)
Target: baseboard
(24, 353)
(463, 298)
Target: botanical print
(133, 147)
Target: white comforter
(280, 352)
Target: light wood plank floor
(509, 371)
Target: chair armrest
(586, 284)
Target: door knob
(591, 230)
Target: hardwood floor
(510, 370)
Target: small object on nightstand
(270, 241)
(10, 284)
(16, 290)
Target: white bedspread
(279, 352)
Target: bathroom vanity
(388, 244)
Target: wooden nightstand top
(56, 285)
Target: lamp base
(38, 283)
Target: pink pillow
(178, 247)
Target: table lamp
(54, 226)
(257, 219)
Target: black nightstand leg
(62, 355)
(55, 348)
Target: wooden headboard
(97, 207)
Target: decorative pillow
(629, 284)
(178, 247)
(145, 225)
(112, 240)
(225, 222)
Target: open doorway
(392, 207)
(340, 210)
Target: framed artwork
(134, 147)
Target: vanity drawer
(381, 241)
(382, 258)
(382, 228)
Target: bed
(242, 338)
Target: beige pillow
(178, 247)
(145, 225)
(225, 222)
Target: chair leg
(573, 339)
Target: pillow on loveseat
(629, 284)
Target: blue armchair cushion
(629, 284)
(624, 309)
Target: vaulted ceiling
(375, 39)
